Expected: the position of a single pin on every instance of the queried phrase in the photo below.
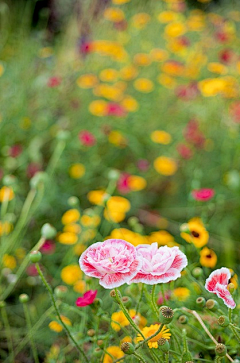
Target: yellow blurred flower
(20, 253)
(6, 194)
(129, 236)
(9, 261)
(128, 73)
(76, 171)
(109, 75)
(67, 238)
(175, 29)
(152, 329)
(115, 352)
(165, 165)
(90, 221)
(87, 81)
(70, 216)
(96, 196)
(116, 138)
(181, 293)
(173, 68)
(163, 238)
(98, 108)
(127, 339)
(111, 92)
(161, 137)
(142, 59)
(79, 248)
(166, 81)
(5, 228)
(129, 103)
(80, 286)
(120, 2)
(111, 49)
(218, 68)
(119, 320)
(143, 85)
(159, 55)
(71, 274)
(140, 20)
(114, 14)
(208, 258)
(197, 233)
(136, 183)
(196, 22)
(72, 227)
(167, 16)
(116, 209)
(55, 326)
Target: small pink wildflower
(87, 138)
(54, 82)
(114, 109)
(217, 283)
(167, 296)
(48, 248)
(203, 195)
(87, 299)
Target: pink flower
(159, 265)
(48, 248)
(167, 296)
(114, 109)
(203, 195)
(31, 270)
(87, 138)
(217, 283)
(184, 151)
(87, 299)
(113, 261)
(54, 82)
(123, 183)
(15, 150)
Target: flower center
(195, 234)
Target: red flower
(184, 151)
(114, 109)
(48, 248)
(143, 164)
(123, 183)
(193, 135)
(226, 56)
(217, 283)
(203, 195)
(235, 111)
(54, 82)
(15, 150)
(87, 299)
(86, 138)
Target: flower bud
(113, 175)
(126, 301)
(132, 221)
(91, 332)
(63, 135)
(223, 321)
(231, 288)
(127, 348)
(100, 343)
(73, 202)
(35, 256)
(201, 302)
(183, 319)
(197, 272)
(48, 231)
(9, 180)
(60, 291)
(163, 345)
(184, 228)
(221, 350)
(212, 305)
(114, 295)
(23, 298)
(97, 352)
(166, 314)
(39, 178)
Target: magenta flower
(87, 299)
(123, 183)
(217, 283)
(159, 265)
(114, 262)
(87, 138)
(203, 195)
(48, 248)
(114, 109)
(54, 82)
(167, 296)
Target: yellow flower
(129, 103)
(166, 81)
(70, 216)
(158, 55)
(127, 339)
(234, 279)
(76, 171)
(111, 49)
(163, 238)
(109, 75)
(197, 233)
(195, 22)
(116, 209)
(129, 236)
(165, 165)
(128, 73)
(96, 196)
(98, 108)
(5, 228)
(6, 194)
(208, 258)
(80, 286)
(1, 69)
(173, 68)
(9, 262)
(111, 92)
(73, 228)
(67, 238)
(90, 221)
(161, 137)
(167, 16)
(116, 138)
(140, 20)
(136, 183)
(120, 2)
(20, 253)
(218, 68)
(211, 86)
(115, 352)
(142, 59)
(71, 274)
(79, 248)
(152, 329)
(181, 293)
(143, 85)
(55, 326)
(87, 81)
(119, 320)
(114, 14)
(175, 29)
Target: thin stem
(163, 295)
(153, 300)
(139, 300)
(55, 156)
(166, 357)
(139, 357)
(148, 297)
(230, 315)
(29, 326)
(58, 313)
(8, 332)
(237, 336)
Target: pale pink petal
(220, 276)
(225, 295)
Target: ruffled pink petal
(222, 292)
(110, 281)
(220, 276)
(180, 261)
(149, 279)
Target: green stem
(163, 295)
(29, 326)
(237, 336)
(236, 327)
(184, 338)
(8, 331)
(218, 359)
(230, 315)
(58, 313)
(125, 312)
(139, 357)
(139, 300)
(153, 300)
(166, 357)
(55, 157)
(149, 299)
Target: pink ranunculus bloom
(114, 262)
(203, 195)
(54, 82)
(87, 138)
(217, 283)
(159, 265)
(87, 299)
(48, 248)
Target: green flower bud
(127, 348)
(60, 291)
(132, 221)
(63, 135)
(223, 321)
(48, 231)
(35, 256)
(184, 228)
(201, 302)
(73, 202)
(166, 314)
(23, 298)
(220, 350)
(100, 343)
(9, 180)
(114, 296)
(231, 288)
(163, 345)
(183, 319)
(97, 352)
(91, 332)
(212, 305)
(113, 175)
(126, 301)
(197, 272)
(39, 178)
